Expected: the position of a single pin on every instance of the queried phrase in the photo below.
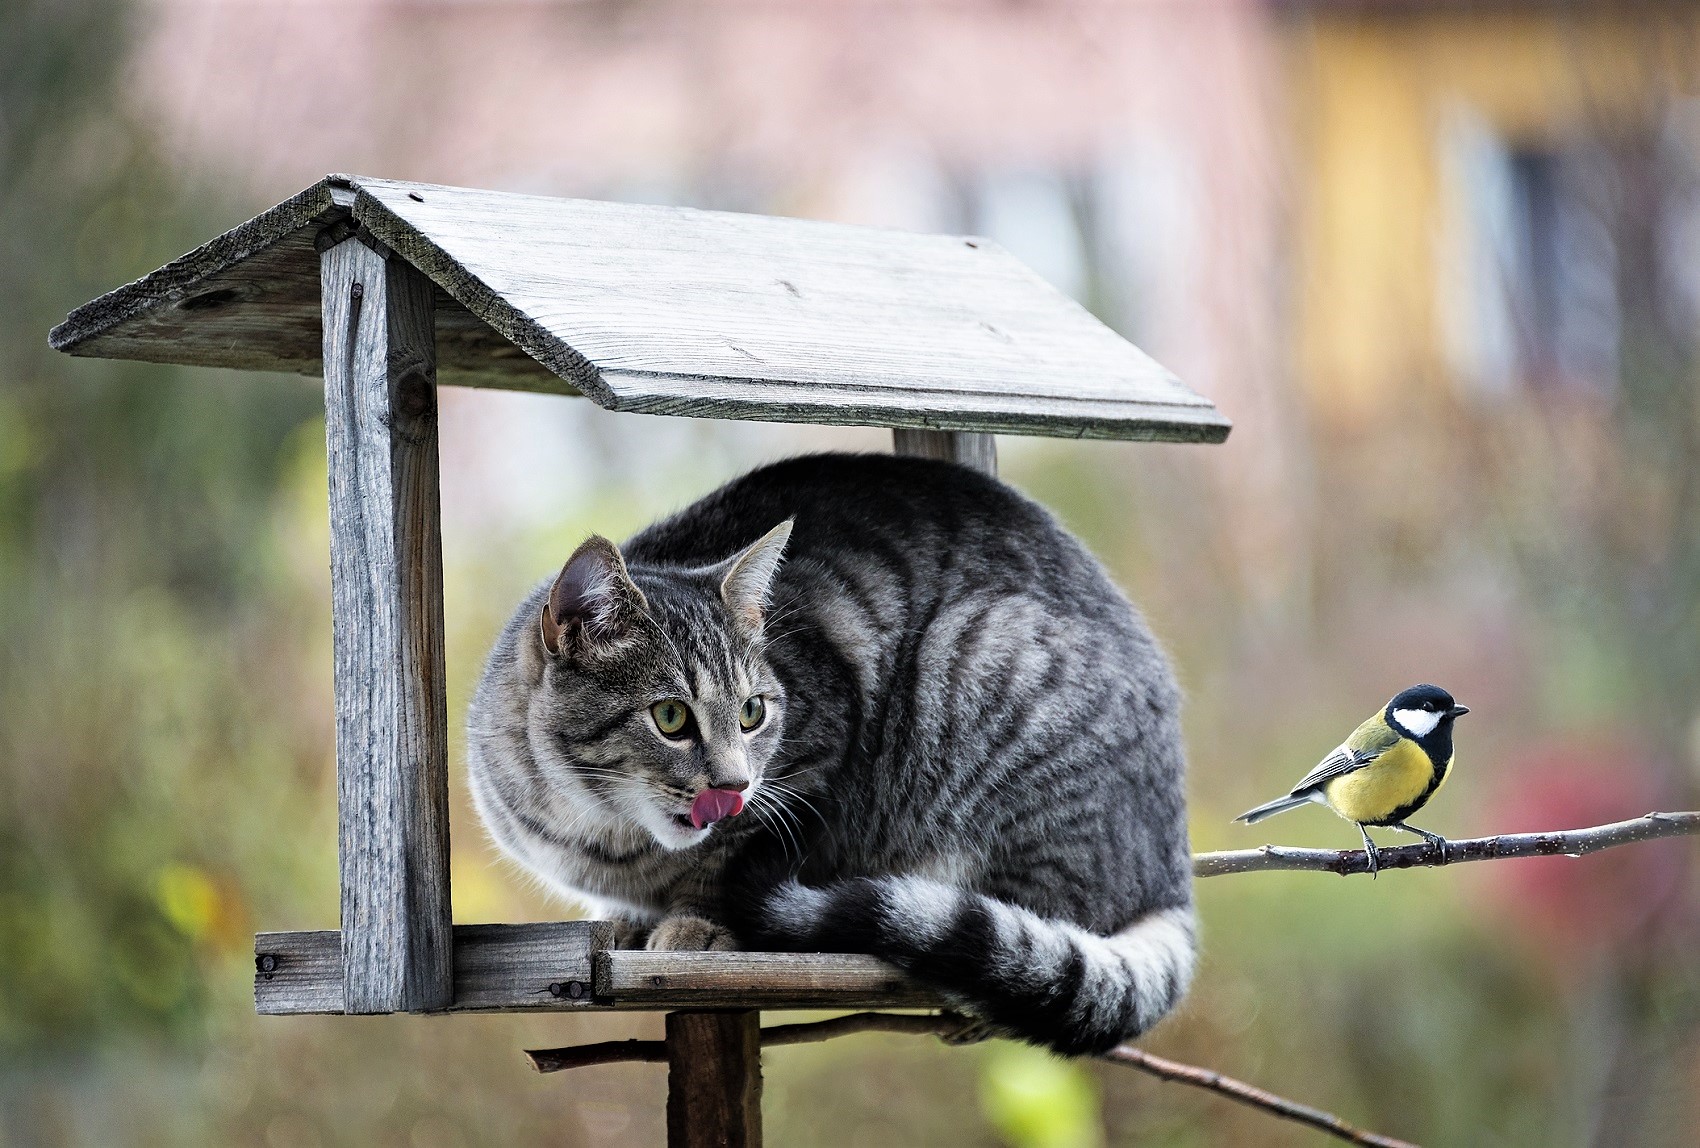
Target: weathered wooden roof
(667, 310)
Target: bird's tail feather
(1271, 808)
(1045, 981)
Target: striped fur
(971, 764)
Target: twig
(950, 1026)
(945, 1025)
(1566, 842)
(607, 1052)
(1244, 1093)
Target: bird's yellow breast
(1392, 781)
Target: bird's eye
(671, 716)
(753, 712)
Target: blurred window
(1554, 252)
(1529, 294)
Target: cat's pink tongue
(714, 805)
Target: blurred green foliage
(1038, 1101)
(146, 636)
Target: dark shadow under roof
(666, 310)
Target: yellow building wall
(1373, 213)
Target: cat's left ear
(748, 583)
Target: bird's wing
(1368, 742)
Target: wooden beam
(571, 965)
(387, 602)
(979, 451)
(497, 968)
(756, 980)
(714, 1079)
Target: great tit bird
(1384, 772)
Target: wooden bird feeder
(388, 288)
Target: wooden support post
(714, 1079)
(979, 451)
(387, 597)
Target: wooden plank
(756, 980)
(714, 1079)
(497, 968)
(671, 311)
(298, 972)
(979, 451)
(523, 968)
(387, 603)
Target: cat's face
(657, 703)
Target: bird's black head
(1421, 710)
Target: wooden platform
(666, 310)
(570, 966)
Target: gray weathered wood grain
(979, 451)
(298, 973)
(387, 602)
(755, 980)
(672, 311)
(571, 965)
(497, 968)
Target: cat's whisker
(775, 826)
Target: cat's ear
(748, 583)
(592, 601)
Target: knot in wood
(415, 397)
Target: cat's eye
(753, 712)
(671, 716)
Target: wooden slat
(979, 451)
(523, 968)
(298, 973)
(755, 980)
(671, 311)
(714, 1079)
(497, 968)
(387, 602)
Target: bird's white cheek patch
(1418, 723)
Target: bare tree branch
(1565, 843)
(946, 1026)
(952, 1027)
(606, 1052)
(1239, 1090)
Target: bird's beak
(1457, 711)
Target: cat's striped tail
(1044, 981)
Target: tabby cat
(857, 703)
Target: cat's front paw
(691, 934)
(629, 934)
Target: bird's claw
(1372, 855)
